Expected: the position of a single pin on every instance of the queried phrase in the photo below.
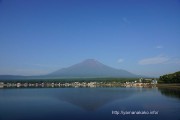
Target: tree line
(70, 80)
(170, 78)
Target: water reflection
(170, 92)
(92, 99)
(85, 103)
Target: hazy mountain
(20, 77)
(7, 77)
(91, 68)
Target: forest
(170, 78)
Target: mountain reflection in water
(86, 104)
(93, 99)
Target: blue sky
(41, 36)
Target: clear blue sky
(41, 36)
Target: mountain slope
(91, 68)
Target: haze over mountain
(91, 68)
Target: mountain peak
(90, 61)
(91, 68)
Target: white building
(154, 81)
(1, 84)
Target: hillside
(91, 68)
(170, 78)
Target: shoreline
(169, 86)
(87, 84)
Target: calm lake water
(89, 104)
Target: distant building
(154, 81)
(140, 80)
(1, 84)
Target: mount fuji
(91, 68)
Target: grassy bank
(170, 86)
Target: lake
(89, 104)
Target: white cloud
(160, 60)
(175, 61)
(154, 60)
(159, 47)
(120, 60)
